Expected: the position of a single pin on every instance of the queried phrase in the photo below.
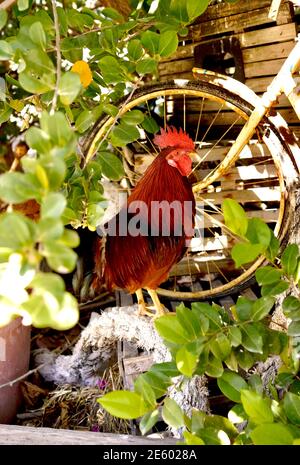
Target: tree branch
(58, 56)
(7, 4)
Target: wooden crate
(264, 44)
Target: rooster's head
(179, 146)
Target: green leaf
(237, 414)
(271, 434)
(172, 413)
(6, 50)
(49, 229)
(273, 249)
(150, 41)
(23, 231)
(40, 64)
(252, 339)
(188, 320)
(37, 34)
(289, 259)
(243, 308)
(84, 121)
(214, 367)
(267, 275)
(158, 381)
(23, 4)
(245, 360)
(111, 70)
(294, 329)
(135, 49)
(220, 423)
(168, 43)
(5, 113)
(209, 312)
(275, 288)
(3, 18)
(179, 11)
(220, 347)
(235, 217)
(231, 384)
(291, 307)
(255, 383)
(146, 66)
(245, 253)
(167, 368)
(69, 238)
(186, 361)
(123, 134)
(57, 127)
(148, 421)
(145, 390)
(18, 187)
(262, 307)
(150, 125)
(133, 117)
(291, 404)
(111, 165)
(196, 8)
(170, 329)
(257, 408)
(235, 336)
(59, 257)
(124, 404)
(258, 232)
(53, 205)
(34, 84)
(38, 140)
(192, 440)
(69, 87)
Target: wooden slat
(224, 9)
(245, 173)
(257, 194)
(26, 435)
(262, 68)
(270, 35)
(269, 216)
(238, 22)
(267, 52)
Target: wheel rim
(276, 215)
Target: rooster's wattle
(160, 219)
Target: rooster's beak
(194, 156)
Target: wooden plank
(267, 52)
(262, 68)
(239, 21)
(27, 435)
(245, 173)
(268, 35)
(257, 194)
(269, 216)
(224, 9)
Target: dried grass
(76, 408)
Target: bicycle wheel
(261, 179)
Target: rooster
(162, 205)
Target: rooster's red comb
(173, 138)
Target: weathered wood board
(26, 435)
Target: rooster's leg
(160, 310)
(142, 306)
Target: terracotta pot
(14, 362)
